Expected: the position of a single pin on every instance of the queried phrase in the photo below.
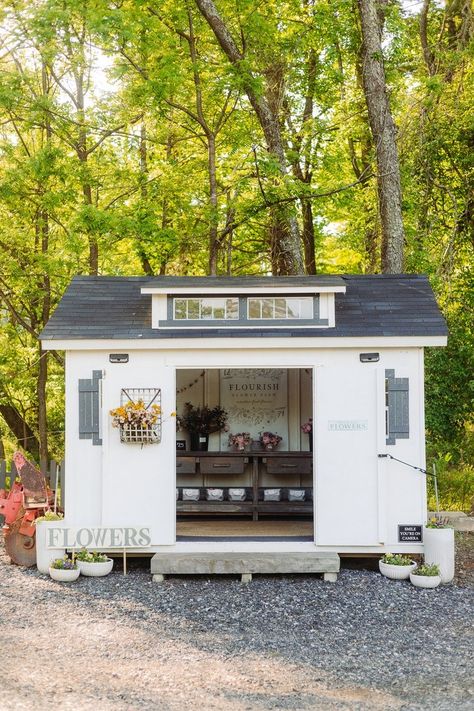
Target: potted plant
(307, 428)
(45, 555)
(240, 441)
(396, 566)
(137, 422)
(270, 440)
(439, 546)
(64, 570)
(426, 576)
(200, 422)
(94, 564)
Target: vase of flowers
(240, 441)
(93, 564)
(137, 423)
(396, 566)
(64, 570)
(426, 576)
(307, 428)
(200, 422)
(270, 440)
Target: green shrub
(427, 570)
(396, 559)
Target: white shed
(345, 351)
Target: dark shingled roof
(246, 282)
(375, 305)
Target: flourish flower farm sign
(105, 537)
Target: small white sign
(99, 538)
(348, 425)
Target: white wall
(117, 483)
(360, 499)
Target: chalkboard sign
(410, 533)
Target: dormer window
(280, 308)
(265, 305)
(207, 309)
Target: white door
(347, 414)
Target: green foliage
(91, 556)
(202, 420)
(396, 559)
(49, 516)
(429, 570)
(108, 118)
(65, 563)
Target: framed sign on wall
(256, 400)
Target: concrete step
(243, 563)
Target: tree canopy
(200, 137)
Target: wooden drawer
(289, 465)
(185, 465)
(223, 465)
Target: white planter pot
(64, 576)
(439, 549)
(396, 572)
(425, 581)
(95, 570)
(45, 555)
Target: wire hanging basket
(146, 402)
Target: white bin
(439, 549)
(45, 555)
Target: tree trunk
(285, 238)
(384, 137)
(83, 154)
(42, 379)
(145, 262)
(25, 436)
(308, 237)
(213, 225)
(42, 375)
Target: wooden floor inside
(240, 529)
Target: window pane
(293, 307)
(268, 310)
(307, 308)
(232, 308)
(193, 308)
(254, 306)
(206, 310)
(179, 308)
(280, 308)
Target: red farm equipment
(26, 500)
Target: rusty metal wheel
(20, 548)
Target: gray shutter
(89, 407)
(397, 407)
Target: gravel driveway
(295, 642)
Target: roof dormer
(243, 302)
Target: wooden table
(233, 462)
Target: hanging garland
(186, 387)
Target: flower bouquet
(137, 422)
(307, 428)
(200, 422)
(270, 440)
(64, 570)
(240, 440)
